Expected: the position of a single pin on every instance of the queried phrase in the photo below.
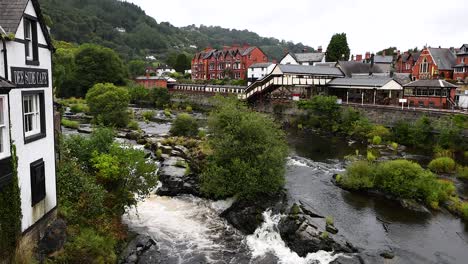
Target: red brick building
(405, 62)
(461, 68)
(154, 81)
(230, 62)
(434, 63)
(430, 93)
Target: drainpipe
(4, 50)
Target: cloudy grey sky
(370, 25)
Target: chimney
(304, 50)
(319, 49)
(371, 69)
(384, 53)
(352, 57)
(275, 62)
(368, 56)
(359, 57)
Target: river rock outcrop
(305, 232)
(177, 179)
(143, 249)
(246, 216)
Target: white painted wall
(288, 59)
(42, 148)
(259, 73)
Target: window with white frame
(28, 39)
(424, 67)
(4, 144)
(32, 114)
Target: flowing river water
(189, 230)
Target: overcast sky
(370, 25)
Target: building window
(424, 67)
(30, 41)
(33, 116)
(38, 187)
(4, 139)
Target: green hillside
(126, 28)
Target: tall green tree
(390, 51)
(63, 69)
(249, 153)
(136, 68)
(338, 49)
(108, 104)
(97, 64)
(181, 63)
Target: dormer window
(30, 41)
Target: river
(189, 230)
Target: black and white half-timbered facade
(26, 108)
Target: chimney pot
(319, 49)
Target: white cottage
(257, 71)
(306, 58)
(26, 109)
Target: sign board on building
(30, 77)
(403, 101)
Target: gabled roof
(309, 57)
(383, 59)
(431, 84)
(261, 65)
(366, 82)
(11, 13)
(443, 58)
(463, 50)
(351, 67)
(307, 69)
(247, 51)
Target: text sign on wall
(29, 77)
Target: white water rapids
(189, 230)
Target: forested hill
(126, 28)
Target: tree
(248, 153)
(160, 96)
(338, 49)
(108, 104)
(390, 51)
(63, 69)
(97, 64)
(184, 125)
(136, 68)
(181, 63)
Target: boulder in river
(176, 179)
(246, 215)
(142, 249)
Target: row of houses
(27, 112)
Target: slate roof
(261, 65)
(383, 59)
(309, 56)
(325, 64)
(369, 81)
(247, 50)
(402, 78)
(443, 58)
(350, 67)
(11, 13)
(307, 69)
(416, 55)
(5, 84)
(430, 83)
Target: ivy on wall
(10, 212)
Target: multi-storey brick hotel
(230, 62)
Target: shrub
(160, 96)
(148, 115)
(360, 128)
(394, 145)
(159, 153)
(79, 108)
(138, 93)
(440, 152)
(462, 172)
(379, 131)
(89, 247)
(108, 104)
(329, 220)
(184, 125)
(201, 134)
(376, 140)
(442, 165)
(359, 175)
(70, 124)
(370, 156)
(167, 112)
(248, 153)
(464, 210)
(133, 125)
(188, 109)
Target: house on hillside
(434, 63)
(305, 58)
(461, 68)
(405, 62)
(230, 62)
(26, 112)
(257, 71)
(155, 81)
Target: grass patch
(442, 165)
(70, 124)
